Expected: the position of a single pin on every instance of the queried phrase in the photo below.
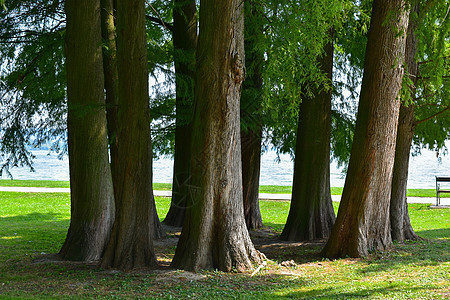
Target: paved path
(263, 196)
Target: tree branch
(432, 116)
(159, 21)
(429, 61)
(425, 78)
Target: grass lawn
(33, 225)
(271, 189)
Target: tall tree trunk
(131, 243)
(185, 42)
(398, 205)
(214, 234)
(251, 127)
(362, 223)
(157, 229)
(251, 162)
(92, 199)
(112, 100)
(401, 228)
(111, 80)
(311, 215)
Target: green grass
(35, 183)
(33, 224)
(270, 189)
(61, 184)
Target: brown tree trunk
(131, 243)
(214, 234)
(251, 127)
(185, 41)
(401, 228)
(251, 165)
(92, 199)
(311, 215)
(362, 223)
(111, 87)
(111, 80)
(157, 228)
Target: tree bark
(111, 80)
(92, 199)
(185, 42)
(112, 102)
(131, 243)
(401, 228)
(363, 223)
(251, 127)
(251, 165)
(214, 234)
(398, 207)
(311, 215)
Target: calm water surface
(422, 171)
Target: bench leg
(437, 193)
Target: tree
(111, 89)
(214, 234)
(251, 112)
(362, 223)
(184, 40)
(304, 101)
(422, 108)
(131, 243)
(111, 79)
(311, 215)
(401, 228)
(92, 199)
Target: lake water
(422, 171)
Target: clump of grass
(32, 224)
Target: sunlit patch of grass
(10, 237)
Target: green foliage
(350, 47)
(32, 79)
(295, 40)
(432, 89)
(432, 101)
(161, 68)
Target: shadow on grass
(268, 242)
(31, 233)
(428, 252)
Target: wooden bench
(439, 190)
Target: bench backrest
(445, 179)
